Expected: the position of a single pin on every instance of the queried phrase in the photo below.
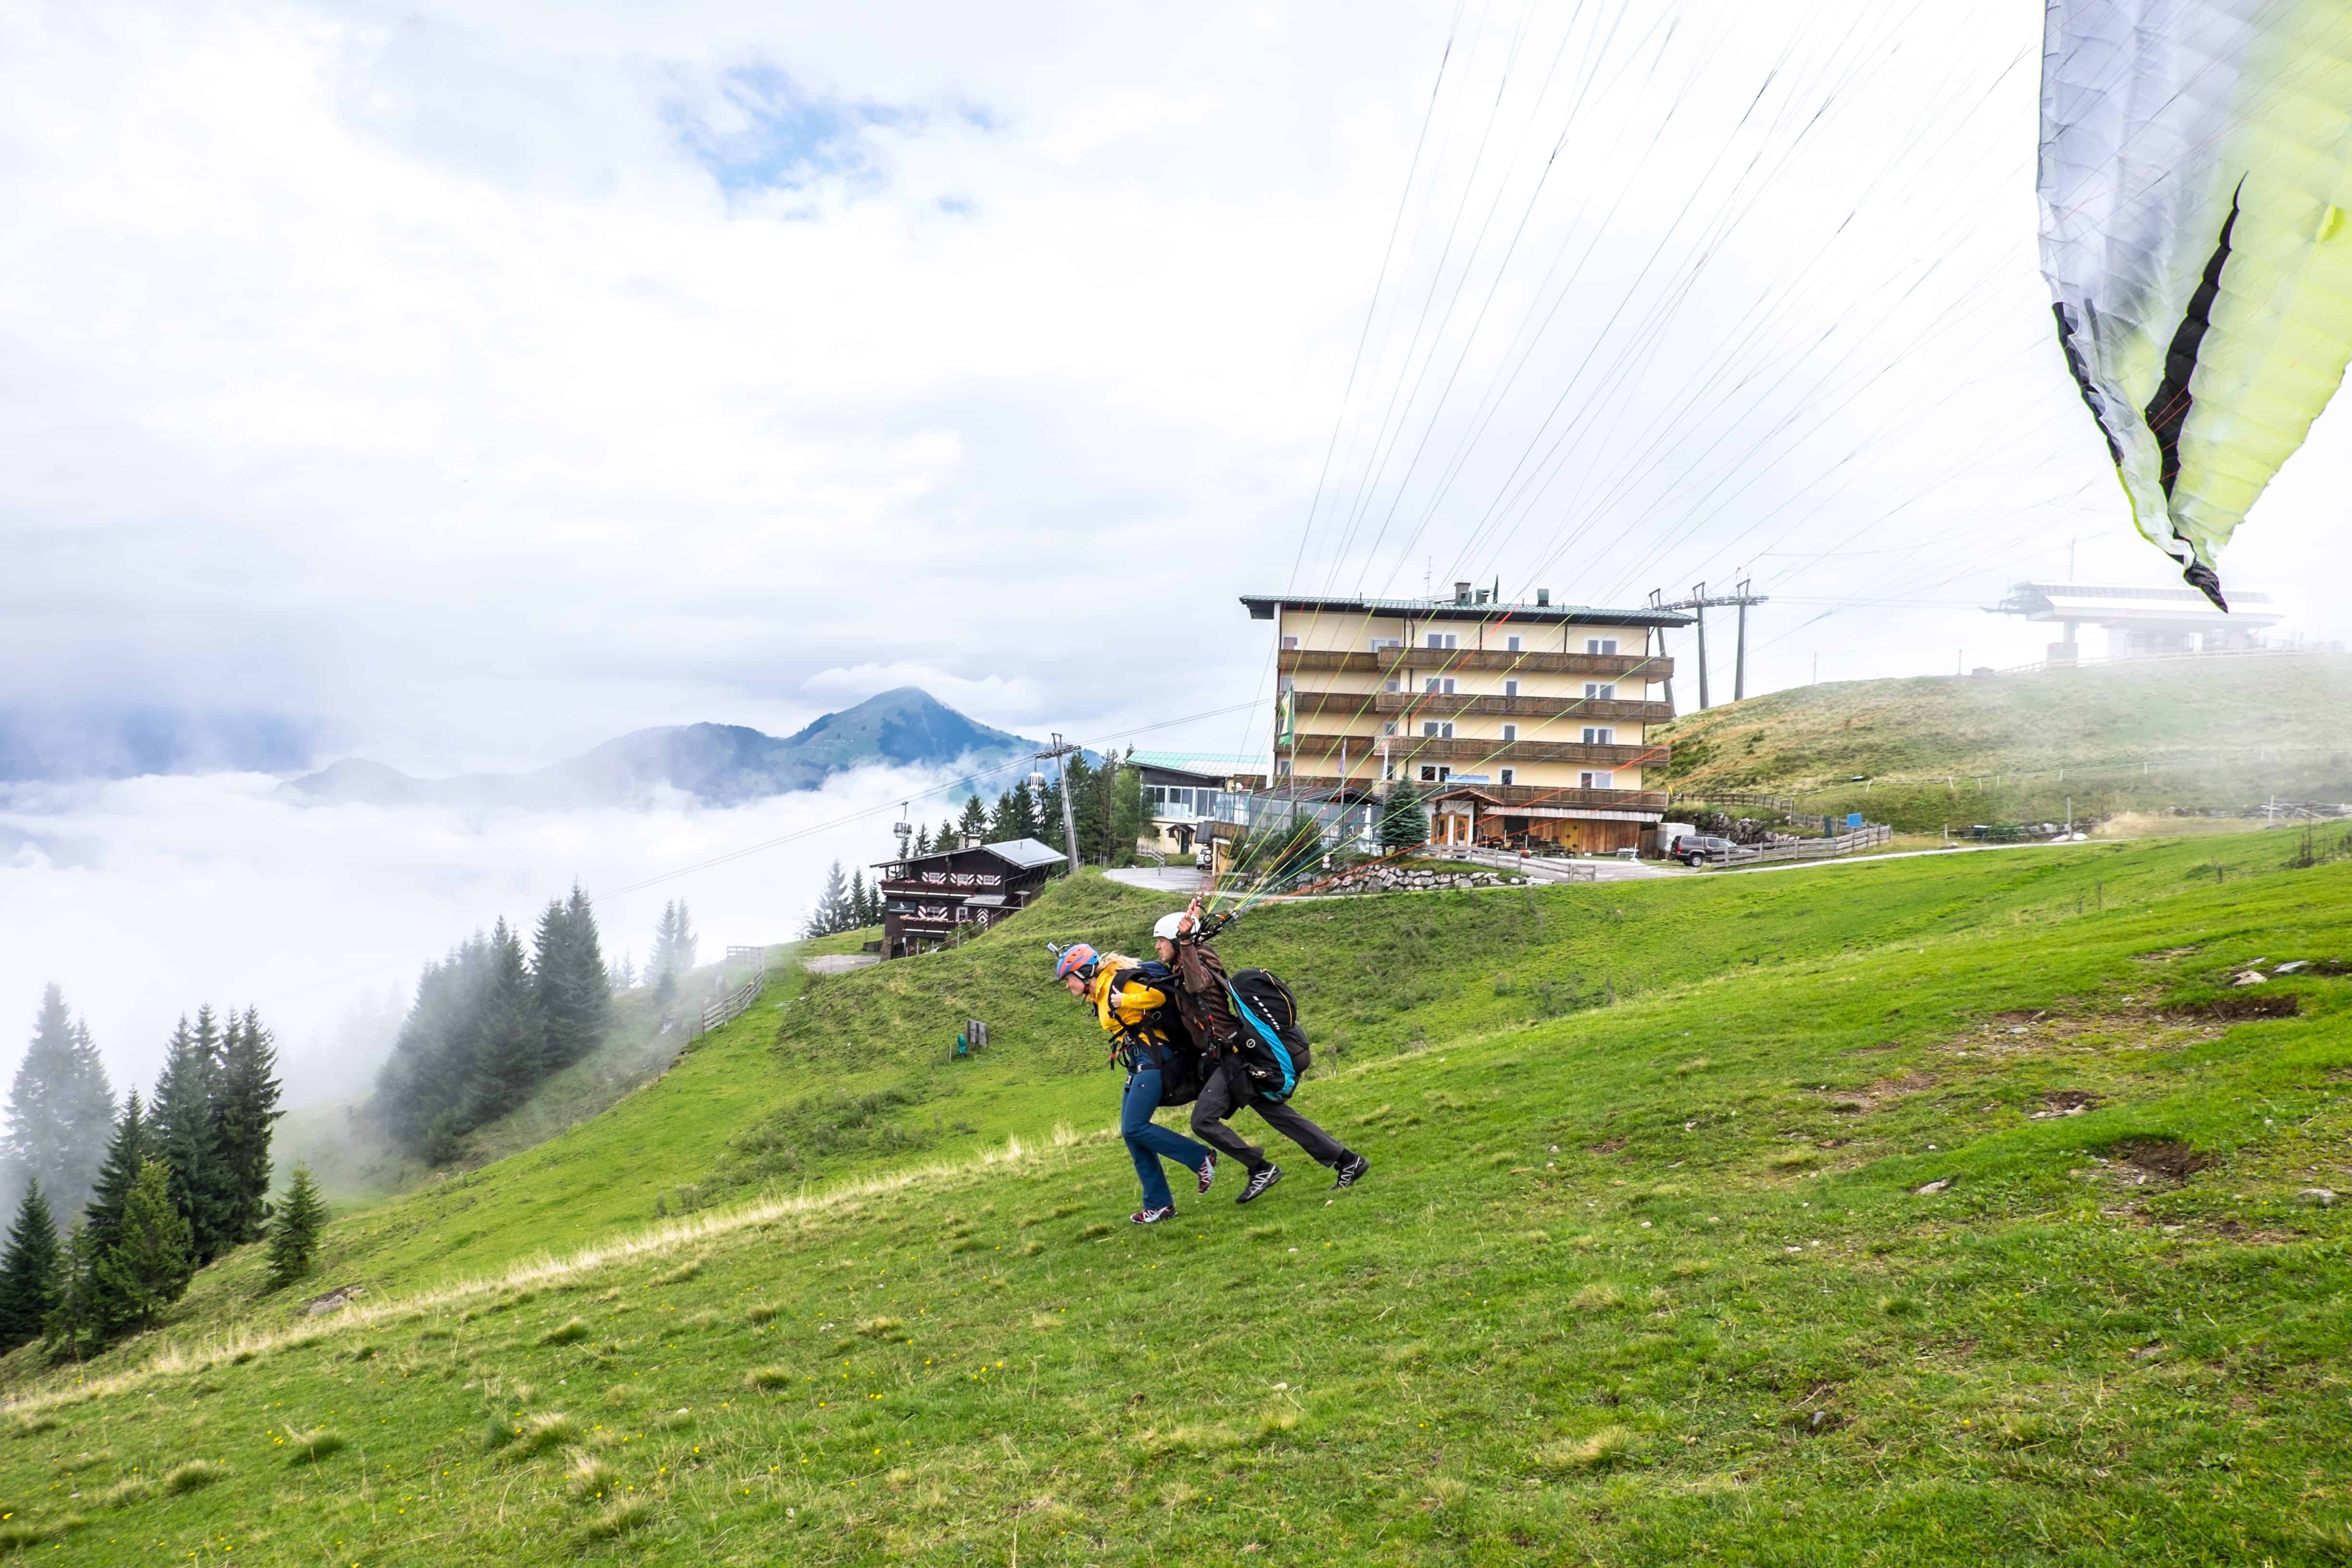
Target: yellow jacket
(1126, 1010)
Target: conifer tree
(244, 1110)
(576, 996)
(182, 1135)
(60, 1111)
(152, 1258)
(1049, 818)
(682, 947)
(859, 908)
(946, 838)
(294, 1228)
(512, 1056)
(975, 818)
(625, 978)
(125, 1154)
(74, 1325)
(832, 905)
(32, 1272)
(922, 840)
(1404, 822)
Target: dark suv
(1690, 848)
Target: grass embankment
(1652, 1282)
(2013, 748)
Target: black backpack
(1271, 1054)
(1182, 1068)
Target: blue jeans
(1147, 1141)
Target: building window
(1446, 729)
(1443, 639)
(1388, 770)
(1282, 767)
(1601, 645)
(1511, 689)
(1594, 780)
(1509, 774)
(1389, 727)
(1600, 735)
(1510, 731)
(1515, 645)
(1606, 690)
(1383, 644)
(1289, 644)
(1449, 686)
(1429, 684)
(1429, 727)
(1428, 775)
(1395, 685)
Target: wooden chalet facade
(927, 900)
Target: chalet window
(1600, 735)
(1429, 726)
(1508, 774)
(1288, 644)
(1510, 731)
(1606, 690)
(1430, 685)
(1449, 686)
(1513, 645)
(1395, 685)
(1594, 780)
(1443, 639)
(1388, 770)
(1436, 774)
(1601, 645)
(1383, 644)
(1511, 688)
(1389, 727)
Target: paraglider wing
(2193, 177)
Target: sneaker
(1351, 1170)
(1208, 1171)
(1151, 1217)
(1260, 1179)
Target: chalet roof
(1262, 607)
(1026, 853)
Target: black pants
(1219, 1100)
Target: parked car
(1693, 847)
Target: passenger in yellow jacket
(1136, 1015)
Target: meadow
(1929, 1210)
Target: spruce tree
(32, 1272)
(832, 905)
(152, 1258)
(1128, 819)
(625, 978)
(74, 1325)
(975, 818)
(511, 1057)
(859, 909)
(575, 995)
(181, 1134)
(1404, 822)
(60, 1111)
(125, 1154)
(245, 1109)
(682, 945)
(294, 1228)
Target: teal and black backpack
(1273, 1054)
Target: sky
(460, 386)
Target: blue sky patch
(762, 130)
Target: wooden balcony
(1445, 661)
(1414, 749)
(1642, 800)
(1454, 704)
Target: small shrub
(126, 1491)
(681, 1274)
(496, 1433)
(620, 1519)
(307, 1447)
(767, 1377)
(1610, 1445)
(1898, 1305)
(1598, 1297)
(540, 1433)
(195, 1473)
(759, 1313)
(1274, 1424)
(572, 1330)
(589, 1479)
(884, 1328)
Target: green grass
(1650, 1282)
(1963, 750)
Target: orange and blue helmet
(1077, 958)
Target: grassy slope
(2218, 731)
(1610, 1267)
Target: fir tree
(182, 1135)
(511, 1055)
(832, 905)
(1049, 818)
(152, 1260)
(245, 1108)
(1404, 822)
(125, 1154)
(922, 840)
(576, 996)
(860, 910)
(975, 818)
(32, 1272)
(946, 838)
(60, 1109)
(75, 1323)
(1128, 819)
(294, 1228)
(625, 978)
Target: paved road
(1159, 879)
(842, 962)
(1543, 869)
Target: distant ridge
(713, 764)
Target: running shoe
(1351, 1170)
(1208, 1171)
(1151, 1217)
(1260, 1179)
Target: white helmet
(1168, 927)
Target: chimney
(1460, 593)
(1543, 596)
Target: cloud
(143, 897)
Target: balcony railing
(1452, 704)
(1439, 661)
(1644, 800)
(1404, 749)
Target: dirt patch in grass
(2165, 955)
(1609, 1145)
(1877, 1096)
(2166, 1158)
(2058, 1102)
(2277, 1004)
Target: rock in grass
(2324, 1196)
(195, 1473)
(1941, 1184)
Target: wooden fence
(730, 1006)
(1869, 835)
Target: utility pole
(1657, 603)
(1058, 751)
(1699, 602)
